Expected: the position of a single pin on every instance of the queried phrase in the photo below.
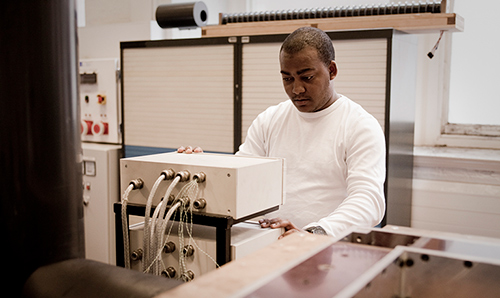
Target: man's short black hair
(310, 37)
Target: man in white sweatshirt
(334, 150)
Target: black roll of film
(182, 15)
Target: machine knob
(188, 250)
(100, 128)
(169, 272)
(136, 255)
(201, 177)
(188, 275)
(169, 247)
(199, 203)
(184, 175)
(169, 174)
(137, 183)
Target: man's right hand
(189, 149)
(276, 223)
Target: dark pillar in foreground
(40, 169)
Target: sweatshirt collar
(328, 110)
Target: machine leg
(119, 236)
(223, 244)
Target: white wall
(457, 190)
(108, 22)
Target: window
(474, 76)
(458, 102)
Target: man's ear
(333, 69)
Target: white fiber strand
(156, 223)
(152, 229)
(147, 217)
(170, 212)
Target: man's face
(306, 80)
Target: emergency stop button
(100, 128)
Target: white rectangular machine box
(100, 192)
(234, 186)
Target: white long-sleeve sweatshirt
(334, 159)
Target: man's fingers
(264, 223)
(276, 223)
(189, 149)
(282, 223)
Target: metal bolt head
(169, 272)
(188, 250)
(184, 175)
(188, 275)
(201, 177)
(136, 254)
(169, 174)
(169, 247)
(199, 203)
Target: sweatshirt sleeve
(366, 169)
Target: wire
(166, 196)
(156, 226)
(152, 224)
(187, 194)
(189, 231)
(182, 256)
(434, 49)
(147, 217)
(159, 248)
(150, 236)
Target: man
(334, 150)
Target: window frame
(432, 125)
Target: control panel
(99, 101)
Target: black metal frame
(221, 223)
